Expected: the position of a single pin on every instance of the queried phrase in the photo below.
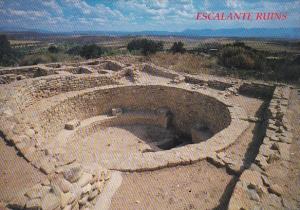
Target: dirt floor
(121, 139)
(187, 188)
(196, 186)
(16, 174)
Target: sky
(138, 15)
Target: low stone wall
(128, 118)
(71, 187)
(30, 91)
(8, 78)
(256, 89)
(219, 85)
(188, 107)
(254, 188)
(253, 89)
(158, 71)
(24, 70)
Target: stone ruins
(49, 111)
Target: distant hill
(285, 33)
(291, 33)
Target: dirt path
(293, 179)
(16, 174)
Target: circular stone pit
(185, 112)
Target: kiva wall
(187, 107)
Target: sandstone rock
(275, 201)
(83, 201)
(116, 111)
(34, 204)
(275, 146)
(20, 138)
(75, 206)
(30, 154)
(274, 138)
(272, 127)
(215, 160)
(21, 145)
(71, 125)
(254, 119)
(30, 132)
(265, 180)
(253, 195)
(85, 179)
(56, 190)
(285, 139)
(72, 173)
(93, 194)
(255, 167)
(107, 174)
(65, 198)
(99, 186)
(178, 79)
(18, 202)
(37, 191)
(45, 182)
(251, 177)
(273, 158)
(276, 189)
(47, 167)
(50, 202)
(284, 150)
(68, 207)
(265, 150)
(261, 161)
(64, 185)
(87, 188)
(76, 191)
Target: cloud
(234, 4)
(172, 15)
(27, 13)
(53, 5)
(80, 5)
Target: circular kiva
(188, 112)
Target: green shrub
(8, 56)
(91, 51)
(53, 49)
(239, 57)
(178, 47)
(146, 46)
(74, 50)
(87, 51)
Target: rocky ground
(198, 186)
(16, 174)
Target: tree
(53, 49)
(7, 55)
(74, 50)
(91, 51)
(146, 46)
(178, 47)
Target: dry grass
(188, 63)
